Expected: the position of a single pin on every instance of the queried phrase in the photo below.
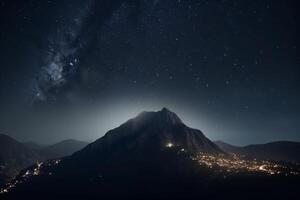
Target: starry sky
(77, 68)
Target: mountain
(280, 151)
(148, 131)
(227, 147)
(14, 156)
(142, 142)
(34, 146)
(152, 156)
(57, 150)
(63, 148)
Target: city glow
(234, 164)
(219, 163)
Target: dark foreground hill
(280, 150)
(149, 157)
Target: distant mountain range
(15, 156)
(152, 156)
(63, 148)
(279, 151)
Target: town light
(169, 145)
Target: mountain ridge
(64, 148)
(287, 151)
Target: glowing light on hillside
(169, 145)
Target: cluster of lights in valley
(232, 164)
(37, 170)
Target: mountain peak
(164, 109)
(168, 116)
(163, 117)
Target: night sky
(76, 68)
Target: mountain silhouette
(151, 131)
(147, 157)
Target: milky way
(61, 61)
